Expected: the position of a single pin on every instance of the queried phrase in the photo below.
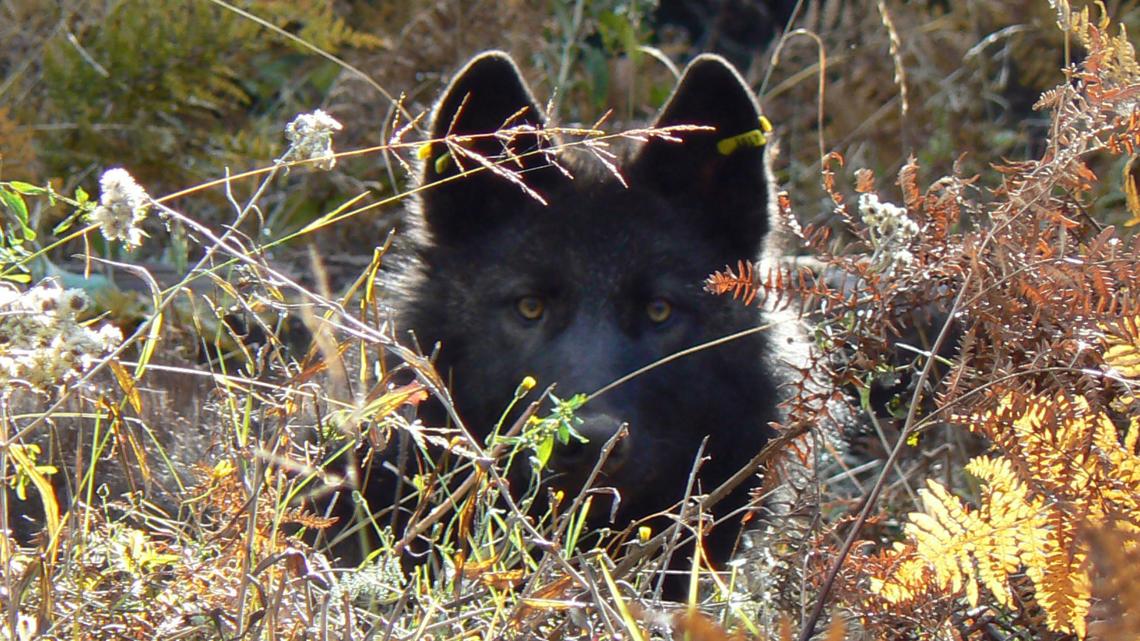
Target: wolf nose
(597, 429)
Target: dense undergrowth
(212, 349)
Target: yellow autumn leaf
(1122, 347)
(1130, 183)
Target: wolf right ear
(487, 95)
(719, 173)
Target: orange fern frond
(741, 284)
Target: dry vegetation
(229, 343)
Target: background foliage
(994, 494)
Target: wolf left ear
(719, 174)
(487, 95)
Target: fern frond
(1063, 469)
(968, 549)
(1063, 586)
(741, 283)
(909, 578)
(1116, 58)
(1122, 353)
(1013, 522)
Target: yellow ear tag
(442, 162)
(749, 139)
(440, 165)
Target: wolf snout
(578, 457)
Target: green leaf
(15, 204)
(543, 451)
(63, 226)
(27, 189)
(19, 209)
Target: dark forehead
(600, 225)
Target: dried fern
(1044, 303)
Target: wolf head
(559, 271)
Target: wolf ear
(719, 174)
(487, 95)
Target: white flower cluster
(310, 138)
(891, 232)
(41, 342)
(122, 207)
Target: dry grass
(224, 418)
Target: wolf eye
(658, 310)
(530, 307)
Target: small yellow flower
(525, 387)
(223, 469)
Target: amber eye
(530, 307)
(658, 310)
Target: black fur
(598, 256)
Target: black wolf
(604, 278)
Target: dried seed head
(122, 207)
(310, 139)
